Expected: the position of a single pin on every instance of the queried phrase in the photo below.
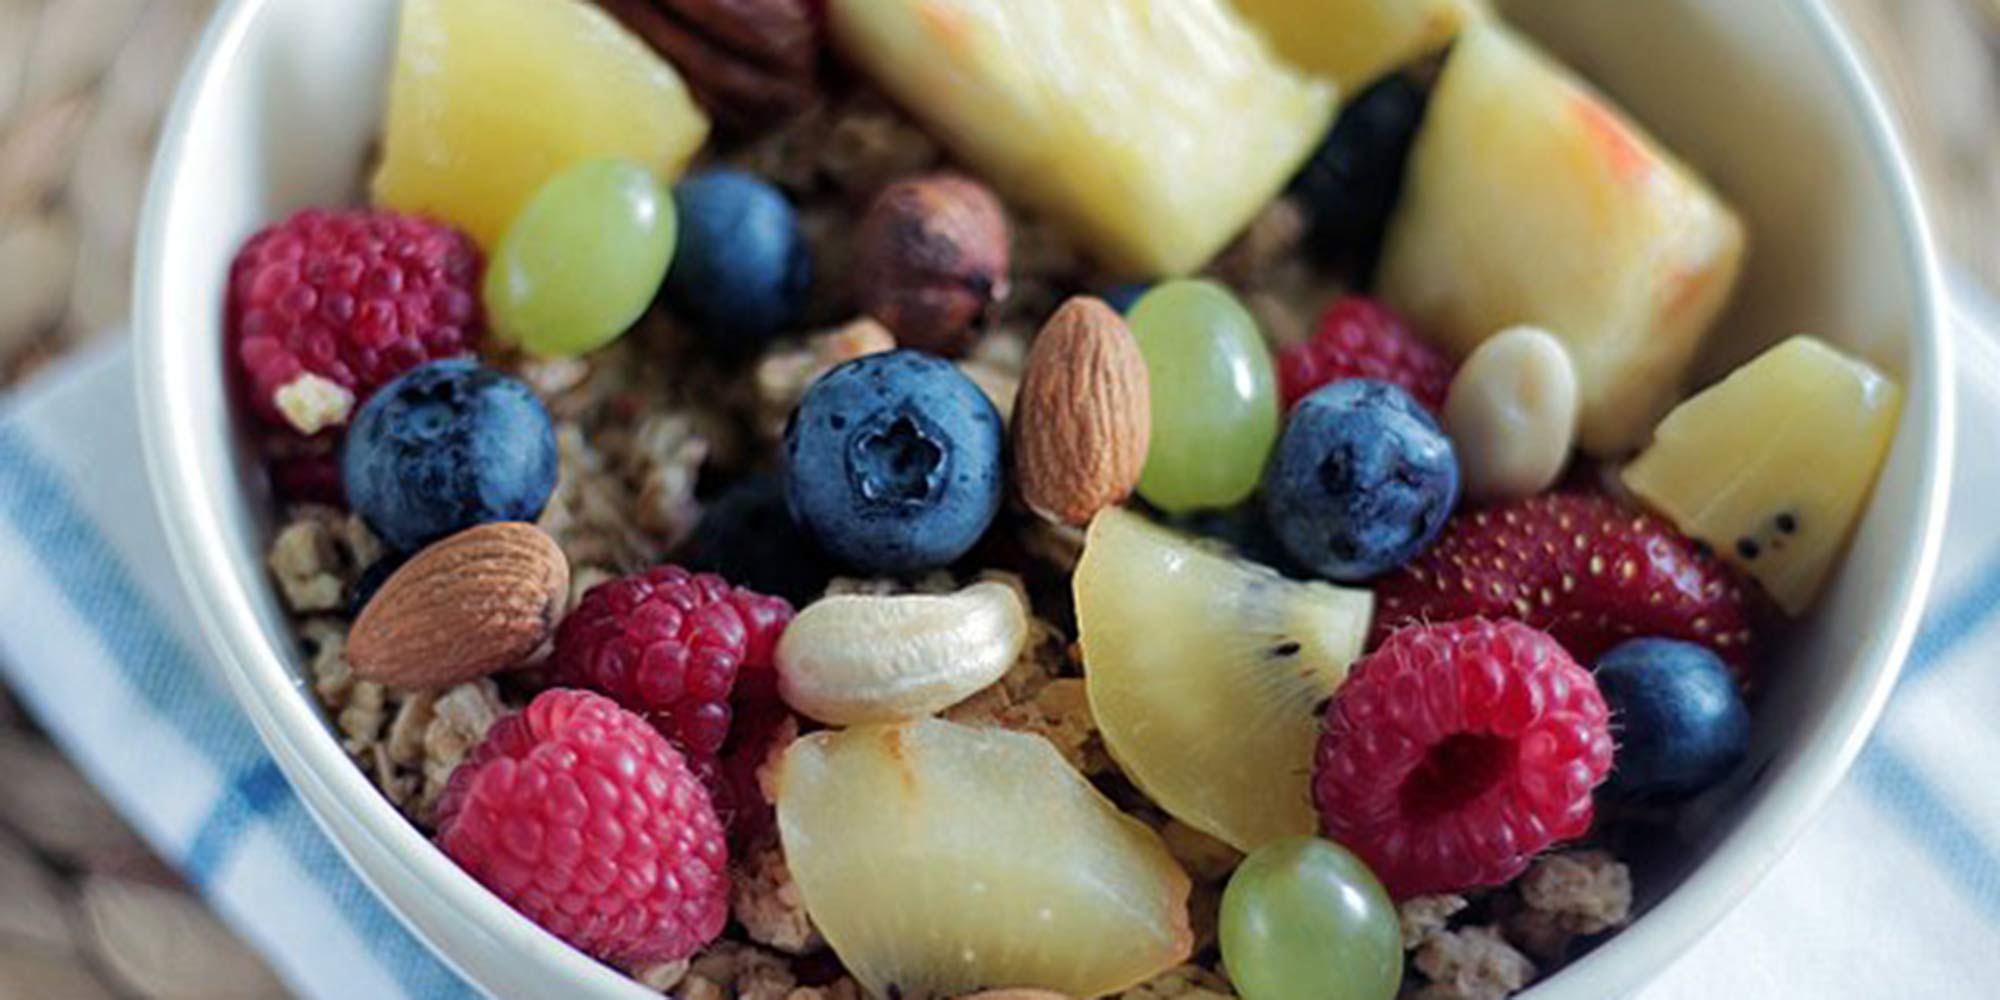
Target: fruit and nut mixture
(927, 497)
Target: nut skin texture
(479, 601)
(751, 63)
(852, 659)
(931, 258)
(1083, 418)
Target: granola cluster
(1562, 897)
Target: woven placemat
(85, 911)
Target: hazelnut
(931, 259)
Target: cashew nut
(854, 658)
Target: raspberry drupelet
(583, 818)
(326, 306)
(669, 644)
(1359, 337)
(1456, 753)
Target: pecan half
(750, 62)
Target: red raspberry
(1456, 753)
(667, 644)
(762, 730)
(303, 470)
(325, 307)
(1590, 571)
(581, 817)
(1359, 337)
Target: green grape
(1303, 919)
(582, 260)
(1215, 400)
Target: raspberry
(1359, 337)
(668, 644)
(1455, 753)
(325, 307)
(1582, 566)
(581, 817)
(303, 470)
(762, 729)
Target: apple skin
(1530, 199)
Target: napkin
(1894, 890)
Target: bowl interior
(284, 102)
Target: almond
(1083, 417)
(479, 601)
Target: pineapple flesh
(1530, 200)
(490, 98)
(1354, 42)
(1773, 465)
(1206, 674)
(1152, 131)
(939, 859)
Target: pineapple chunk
(492, 97)
(1529, 199)
(1354, 42)
(1153, 131)
(1773, 465)
(939, 859)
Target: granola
(319, 556)
(1475, 963)
(646, 430)
(766, 901)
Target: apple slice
(1530, 199)
(1152, 131)
(1354, 42)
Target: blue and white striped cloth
(1894, 892)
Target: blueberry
(446, 446)
(1350, 186)
(741, 270)
(747, 535)
(1680, 723)
(1361, 482)
(1121, 296)
(1242, 527)
(371, 580)
(893, 462)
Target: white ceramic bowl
(283, 100)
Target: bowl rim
(344, 803)
(340, 798)
(1747, 853)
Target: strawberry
(1359, 337)
(1580, 566)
